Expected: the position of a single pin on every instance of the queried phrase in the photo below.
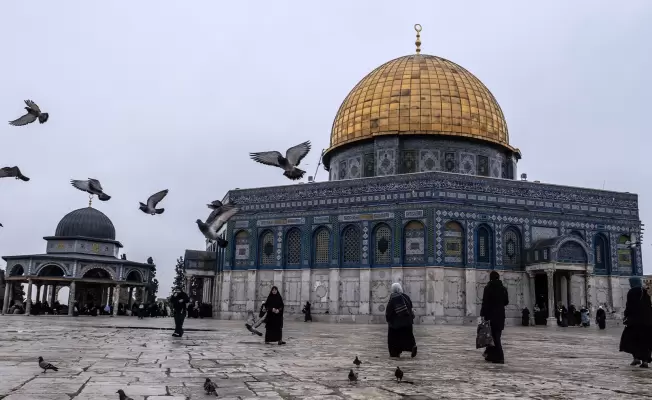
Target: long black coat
(494, 300)
(637, 335)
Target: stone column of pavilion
(116, 299)
(28, 307)
(5, 303)
(551, 297)
(71, 298)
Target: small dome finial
(90, 200)
(417, 27)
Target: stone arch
(381, 244)
(89, 268)
(351, 245)
(321, 246)
(267, 248)
(16, 270)
(513, 247)
(566, 243)
(414, 242)
(577, 234)
(50, 269)
(602, 249)
(241, 247)
(484, 245)
(293, 247)
(454, 242)
(132, 273)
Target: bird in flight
(150, 207)
(289, 163)
(33, 113)
(215, 221)
(12, 172)
(92, 186)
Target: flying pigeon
(1, 226)
(123, 396)
(92, 186)
(46, 366)
(212, 226)
(210, 387)
(352, 376)
(398, 374)
(150, 207)
(33, 112)
(289, 163)
(13, 172)
(218, 210)
(357, 361)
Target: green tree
(180, 274)
(153, 287)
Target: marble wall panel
(454, 289)
(319, 291)
(381, 282)
(602, 291)
(238, 292)
(292, 291)
(414, 285)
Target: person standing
(525, 317)
(637, 336)
(180, 301)
(494, 300)
(400, 318)
(601, 318)
(306, 312)
(274, 319)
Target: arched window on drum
(321, 246)
(382, 250)
(626, 255)
(414, 236)
(512, 248)
(241, 253)
(267, 253)
(351, 246)
(484, 245)
(601, 250)
(293, 247)
(453, 243)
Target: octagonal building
(423, 189)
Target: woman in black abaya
(637, 336)
(274, 321)
(400, 317)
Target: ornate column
(116, 299)
(131, 297)
(45, 294)
(28, 307)
(532, 296)
(53, 297)
(71, 298)
(5, 304)
(551, 297)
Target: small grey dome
(86, 222)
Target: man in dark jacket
(180, 302)
(494, 300)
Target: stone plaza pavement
(97, 356)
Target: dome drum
(383, 156)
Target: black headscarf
(274, 300)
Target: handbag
(402, 309)
(484, 337)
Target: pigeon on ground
(289, 163)
(357, 361)
(92, 186)
(210, 387)
(398, 374)
(214, 223)
(33, 112)
(150, 207)
(13, 172)
(123, 396)
(352, 376)
(46, 365)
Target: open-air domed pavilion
(82, 255)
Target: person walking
(274, 319)
(494, 300)
(306, 312)
(180, 301)
(637, 336)
(400, 319)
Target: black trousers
(495, 353)
(179, 317)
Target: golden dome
(420, 95)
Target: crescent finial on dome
(417, 27)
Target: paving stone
(98, 356)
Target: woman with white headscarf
(400, 318)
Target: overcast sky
(148, 95)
